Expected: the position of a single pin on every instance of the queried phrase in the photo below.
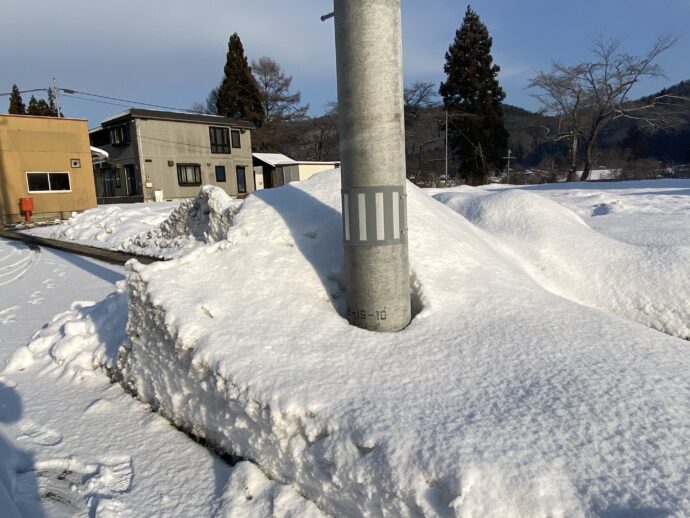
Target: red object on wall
(26, 205)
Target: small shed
(276, 169)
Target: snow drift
(499, 398)
(555, 246)
(205, 218)
(162, 229)
(108, 225)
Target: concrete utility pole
(368, 44)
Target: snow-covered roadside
(500, 398)
(72, 443)
(106, 226)
(164, 230)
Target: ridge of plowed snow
(205, 218)
(500, 398)
(647, 284)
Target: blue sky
(172, 52)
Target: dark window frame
(186, 182)
(49, 181)
(119, 135)
(220, 140)
(224, 176)
(235, 139)
(243, 189)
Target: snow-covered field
(165, 229)
(546, 371)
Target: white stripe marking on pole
(362, 208)
(380, 218)
(396, 215)
(346, 214)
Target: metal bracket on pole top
(327, 16)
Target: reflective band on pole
(362, 215)
(396, 210)
(380, 228)
(346, 216)
(372, 216)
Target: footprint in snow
(49, 284)
(36, 298)
(98, 406)
(69, 487)
(8, 315)
(38, 434)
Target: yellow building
(47, 159)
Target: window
(235, 138)
(220, 140)
(189, 174)
(241, 179)
(119, 135)
(220, 173)
(131, 180)
(48, 182)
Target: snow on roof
(274, 159)
(99, 151)
(116, 116)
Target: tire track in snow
(18, 260)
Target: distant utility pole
(368, 44)
(57, 100)
(446, 147)
(508, 159)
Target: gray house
(147, 155)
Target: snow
(74, 444)
(274, 159)
(107, 226)
(533, 380)
(154, 229)
(522, 386)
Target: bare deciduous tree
(419, 96)
(274, 86)
(584, 98)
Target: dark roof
(177, 116)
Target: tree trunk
(572, 170)
(589, 144)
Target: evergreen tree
(238, 94)
(473, 97)
(39, 107)
(52, 109)
(16, 103)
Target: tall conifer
(473, 97)
(16, 103)
(238, 94)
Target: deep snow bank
(108, 225)
(156, 229)
(499, 399)
(205, 218)
(646, 284)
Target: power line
(71, 91)
(25, 91)
(99, 101)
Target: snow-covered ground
(545, 372)
(74, 444)
(166, 229)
